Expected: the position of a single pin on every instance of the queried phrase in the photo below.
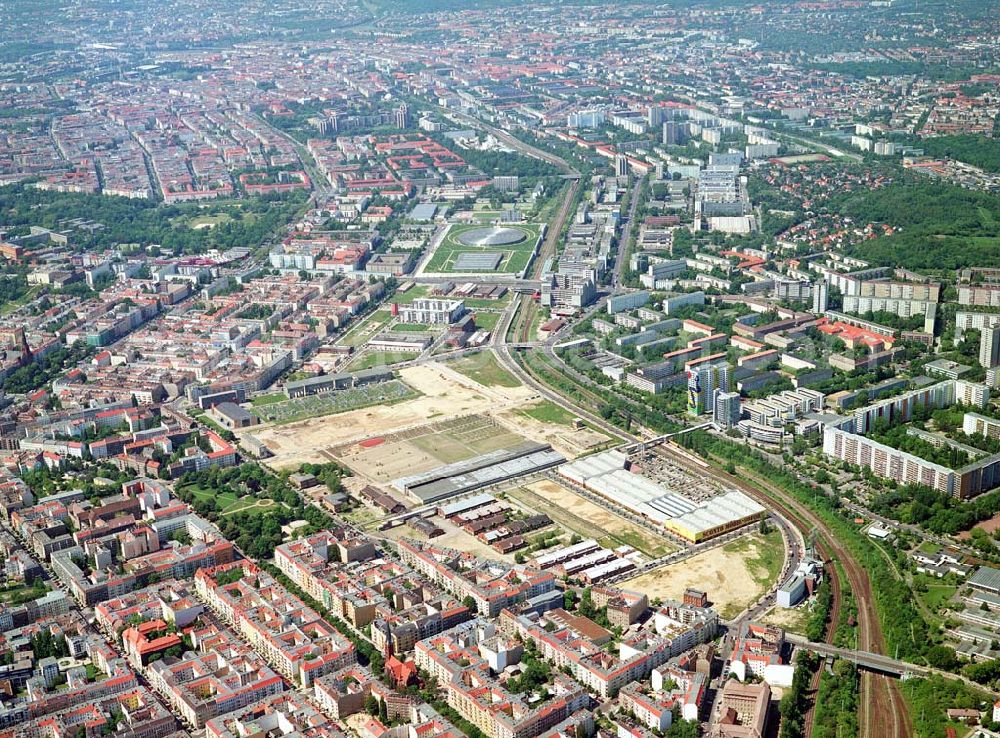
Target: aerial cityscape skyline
(442, 369)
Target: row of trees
(820, 615)
(37, 374)
(836, 710)
(905, 631)
(795, 702)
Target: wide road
(621, 257)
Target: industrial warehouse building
(717, 517)
(334, 382)
(606, 474)
(479, 471)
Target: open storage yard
(734, 576)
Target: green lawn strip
(547, 411)
(267, 399)
(412, 328)
(484, 369)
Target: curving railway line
(883, 711)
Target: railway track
(529, 309)
(883, 712)
(590, 398)
(550, 245)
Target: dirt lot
(568, 441)
(588, 519)
(446, 394)
(793, 619)
(724, 575)
(425, 448)
(990, 525)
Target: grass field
(929, 547)
(414, 328)
(487, 321)
(515, 256)
(405, 298)
(229, 503)
(483, 368)
(301, 408)
(267, 399)
(12, 305)
(938, 592)
(475, 302)
(367, 328)
(548, 412)
(209, 221)
(380, 358)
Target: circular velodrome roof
(491, 236)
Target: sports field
(463, 245)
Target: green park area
(547, 411)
